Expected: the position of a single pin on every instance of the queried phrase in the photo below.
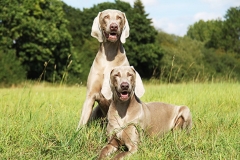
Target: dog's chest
(117, 125)
(115, 121)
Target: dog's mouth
(112, 36)
(123, 95)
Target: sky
(173, 16)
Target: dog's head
(110, 25)
(124, 82)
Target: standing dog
(126, 112)
(111, 29)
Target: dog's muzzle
(113, 34)
(124, 91)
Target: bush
(221, 64)
(11, 70)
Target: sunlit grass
(39, 122)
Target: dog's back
(163, 117)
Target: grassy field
(39, 122)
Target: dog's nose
(124, 85)
(113, 27)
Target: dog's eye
(129, 74)
(117, 75)
(119, 18)
(106, 17)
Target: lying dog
(126, 112)
(111, 29)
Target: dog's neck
(112, 49)
(124, 107)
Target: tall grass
(39, 122)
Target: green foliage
(75, 27)
(221, 64)
(204, 31)
(51, 41)
(221, 44)
(143, 52)
(182, 59)
(39, 36)
(11, 70)
(231, 30)
(141, 26)
(219, 34)
(185, 59)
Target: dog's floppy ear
(125, 31)
(106, 89)
(139, 88)
(96, 30)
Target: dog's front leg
(130, 137)
(110, 148)
(86, 111)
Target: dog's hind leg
(184, 120)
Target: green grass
(40, 123)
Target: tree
(231, 30)
(37, 32)
(75, 27)
(182, 59)
(141, 47)
(215, 34)
(12, 73)
(205, 31)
